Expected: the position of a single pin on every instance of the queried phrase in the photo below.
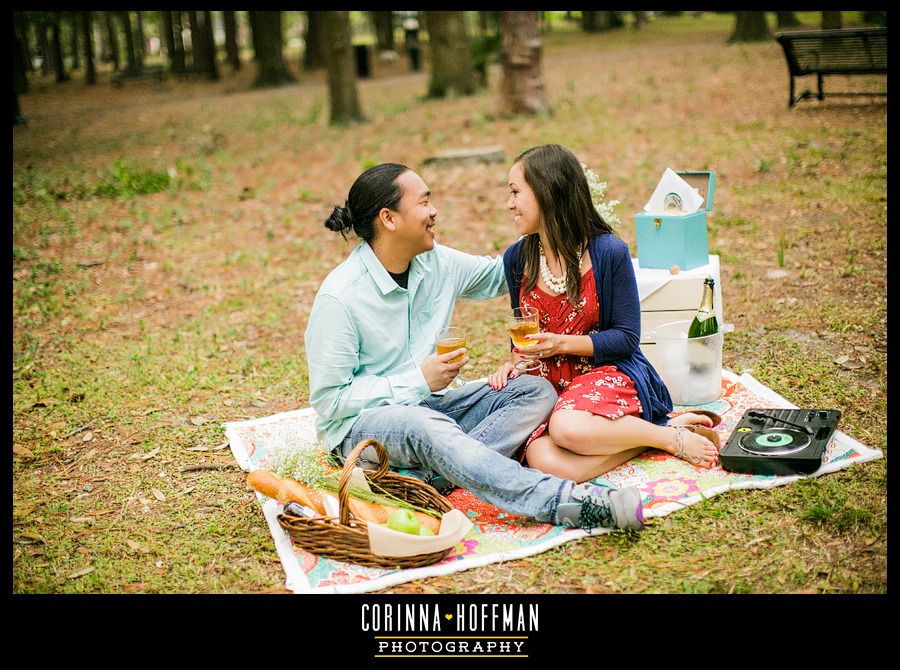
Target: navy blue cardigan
(618, 339)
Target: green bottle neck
(706, 304)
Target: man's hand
(439, 371)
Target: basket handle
(349, 464)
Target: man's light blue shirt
(367, 336)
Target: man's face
(415, 214)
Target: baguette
(380, 513)
(429, 521)
(285, 489)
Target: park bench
(155, 73)
(844, 51)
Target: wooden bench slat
(847, 51)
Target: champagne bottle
(705, 322)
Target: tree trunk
(197, 62)
(483, 22)
(787, 20)
(750, 27)
(210, 68)
(90, 74)
(489, 22)
(267, 38)
(113, 40)
(345, 108)
(59, 65)
(522, 90)
(104, 53)
(20, 76)
(315, 54)
(130, 55)
(166, 30)
(139, 51)
(44, 46)
(451, 59)
(590, 22)
(73, 44)
(178, 55)
(251, 19)
(384, 29)
(639, 19)
(22, 27)
(594, 22)
(614, 19)
(231, 45)
(831, 20)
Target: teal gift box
(664, 240)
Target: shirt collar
(380, 276)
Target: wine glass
(520, 322)
(450, 339)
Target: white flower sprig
(297, 456)
(598, 193)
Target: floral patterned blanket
(667, 484)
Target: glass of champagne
(450, 339)
(520, 322)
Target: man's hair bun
(340, 221)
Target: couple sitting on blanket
(595, 401)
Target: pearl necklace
(554, 283)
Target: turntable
(768, 441)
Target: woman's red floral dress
(601, 390)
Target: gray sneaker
(594, 506)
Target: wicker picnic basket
(348, 540)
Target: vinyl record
(774, 441)
(673, 203)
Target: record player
(770, 441)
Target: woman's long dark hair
(568, 214)
(373, 190)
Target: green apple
(404, 521)
(425, 530)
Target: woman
(578, 275)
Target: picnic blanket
(666, 483)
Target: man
(373, 373)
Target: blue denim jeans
(470, 435)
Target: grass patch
(825, 504)
(126, 179)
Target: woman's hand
(545, 345)
(497, 380)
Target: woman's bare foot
(690, 418)
(692, 447)
(708, 433)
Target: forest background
(168, 243)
